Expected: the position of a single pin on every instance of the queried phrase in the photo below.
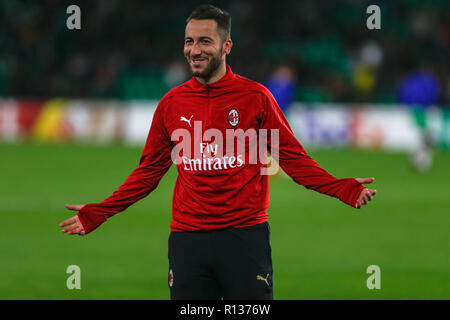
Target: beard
(211, 68)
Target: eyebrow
(200, 38)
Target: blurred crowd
(312, 50)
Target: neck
(220, 72)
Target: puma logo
(258, 277)
(186, 120)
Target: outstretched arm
(303, 169)
(154, 163)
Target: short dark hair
(222, 18)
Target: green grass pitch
(321, 248)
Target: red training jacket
(214, 191)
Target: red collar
(218, 84)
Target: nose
(195, 49)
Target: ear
(227, 46)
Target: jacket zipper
(208, 109)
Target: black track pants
(225, 264)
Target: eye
(188, 41)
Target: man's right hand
(74, 223)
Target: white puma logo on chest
(186, 120)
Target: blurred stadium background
(76, 106)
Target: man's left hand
(367, 194)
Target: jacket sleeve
(295, 161)
(154, 163)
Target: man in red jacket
(219, 244)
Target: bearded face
(203, 48)
(205, 66)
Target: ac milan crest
(170, 278)
(233, 117)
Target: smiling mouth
(197, 61)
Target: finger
(67, 230)
(368, 196)
(365, 180)
(371, 194)
(363, 199)
(76, 231)
(71, 228)
(80, 229)
(74, 207)
(68, 221)
(360, 200)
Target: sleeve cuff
(90, 220)
(351, 192)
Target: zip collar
(222, 82)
